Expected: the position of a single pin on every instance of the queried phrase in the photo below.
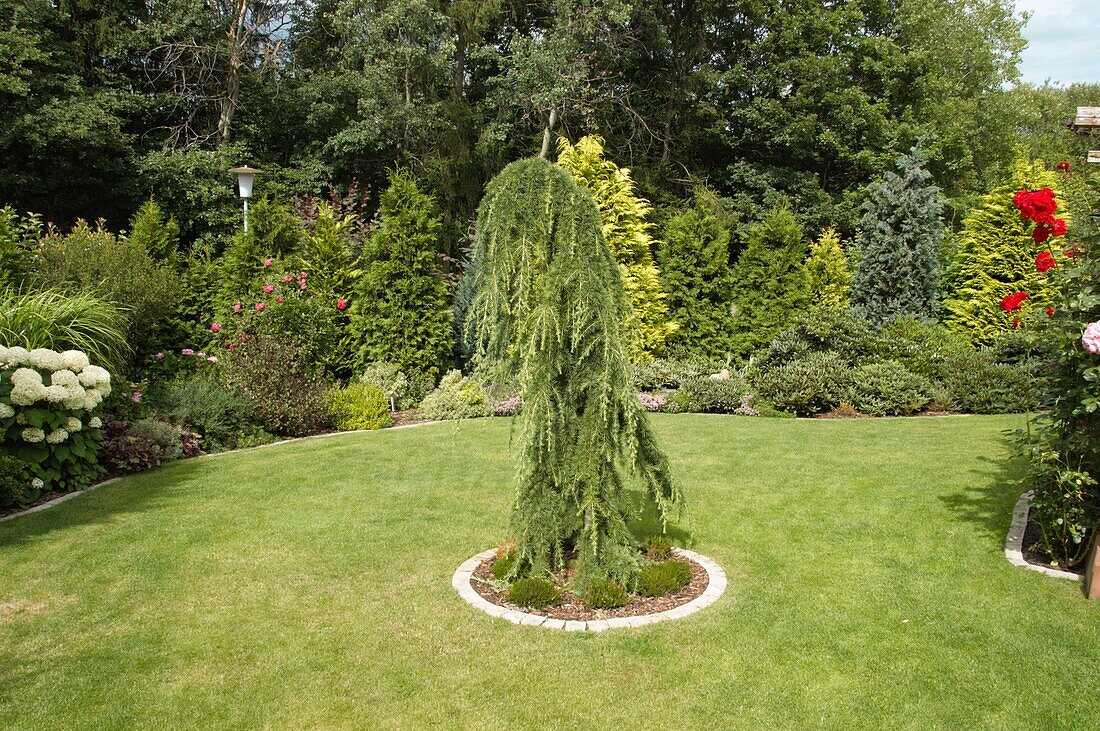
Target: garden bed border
(111, 481)
(716, 586)
(1014, 543)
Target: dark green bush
(208, 407)
(887, 389)
(503, 565)
(15, 485)
(359, 406)
(533, 593)
(659, 374)
(141, 445)
(663, 578)
(605, 594)
(820, 331)
(808, 386)
(922, 346)
(713, 395)
(657, 548)
(977, 385)
(286, 392)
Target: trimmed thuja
(547, 306)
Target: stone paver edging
(716, 586)
(78, 493)
(1014, 543)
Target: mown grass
(308, 586)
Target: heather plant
(548, 306)
(667, 577)
(714, 395)
(900, 243)
(201, 403)
(49, 406)
(626, 230)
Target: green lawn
(308, 586)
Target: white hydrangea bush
(49, 403)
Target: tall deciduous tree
(627, 231)
(401, 313)
(695, 273)
(769, 280)
(548, 305)
(901, 242)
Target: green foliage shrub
(696, 277)
(141, 445)
(887, 388)
(627, 233)
(91, 260)
(330, 253)
(503, 565)
(824, 331)
(456, 397)
(401, 313)
(714, 395)
(667, 577)
(286, 392)
(923, 346)
(157, 236)
(534, 593)
(660, 373)
(359, 406)
(657, 548)
(401, 390)
(977, 385)
(769, 281)
(605, 594)
(309, 320)
(810, 385)
(203, 404)
(901, 243)
(15, 485)
(19, 237)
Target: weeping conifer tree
(547, 306)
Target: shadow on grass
(646, 522)
(135, 493)
(989, 500)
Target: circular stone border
(716, 586)
(1014, 542)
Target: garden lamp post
(245, 176)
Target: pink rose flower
(341, 304)
(302, 286)
(187, 351)
(232, 346)
(160, 355)
(1091, 337)
(216, 327)
(269, 262)
(201, 354)
(260, 307)
(288, 279)
(237, 308)
(213, 359)
(268, 288)
(279, 299)
(136, 397)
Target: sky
(1063, 41)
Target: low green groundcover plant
(534, 593)
(605, 594)
(359, 406)
(663, 578)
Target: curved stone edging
(716, 586)
(78, 493)
(1014, 542)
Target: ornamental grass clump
(547, 307)
(49, 405)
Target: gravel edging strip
(78, 493)
(716, 586)
(1014, 542)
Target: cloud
(1063, 41)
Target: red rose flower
(1050, 312)
(1064, 166)
(1013, 302)
(1045, 261)
(1059, 227)
(216, 327)
(1040, 234)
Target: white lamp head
(245, 176)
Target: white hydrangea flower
(55, 394)
(26, 387)
(3, 354)
(37, 483)
(46, 359)
(74, 360)
(20, 419)
(95, 377)
(96, 423)
(57, 436)
(73, 425)
(75, 400)
(91, 399)
(64, 377)
(33, 435)
(17, 355)
(6, 412)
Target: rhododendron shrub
(49, 406)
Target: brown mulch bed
(407, 417)
(573, 608)
(1033, 549)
